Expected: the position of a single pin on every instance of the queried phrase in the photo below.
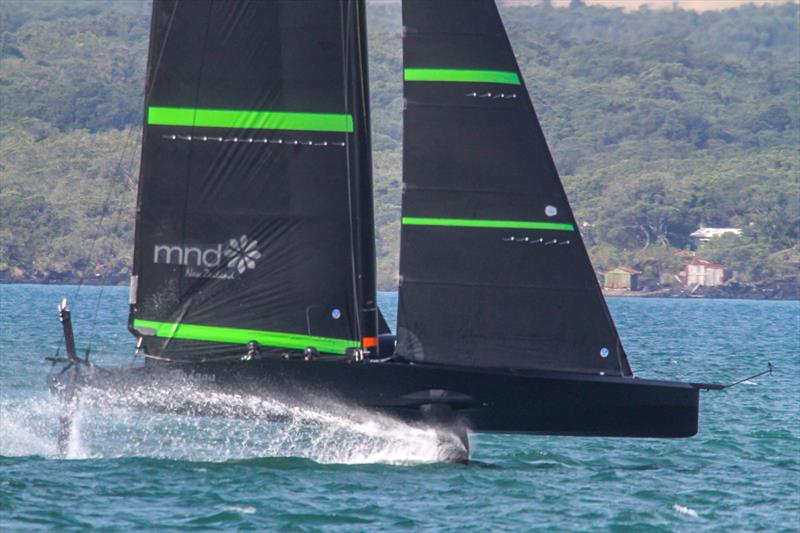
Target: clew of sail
(254, 214)
(494, 272)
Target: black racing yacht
(254, 258)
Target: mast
(253, 215)
(362, 165)
(494, 272)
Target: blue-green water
(134, 469)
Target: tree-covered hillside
(659, 121)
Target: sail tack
(493, 269)
(255, 180)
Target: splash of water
(187, 420)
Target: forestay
(493, 269)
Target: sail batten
(461, 75)
(476, 223)
(242, 119)
(198, 332)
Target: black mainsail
(254, 215)
(493, 269)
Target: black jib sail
(254, 216)
(493, 269)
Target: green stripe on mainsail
(472, 223)
(461, 75)
(195, 332)
(262, 120)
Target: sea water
(265, 465)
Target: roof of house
(710, 233)
(623, 269)
(788, 255)
(707, 264)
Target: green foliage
(659, 121)
(751, 253)
(58, 191)
(85, 72)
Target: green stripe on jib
(461, 75)
(261, 120)
(473, 223)
(195, 332)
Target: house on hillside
(789, 258)
(622, 278)
(703, 273)
(706, 234)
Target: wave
(685, 511)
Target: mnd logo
(242, 254)
(219, 261)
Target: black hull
(485, 400)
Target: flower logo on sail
(242, 254)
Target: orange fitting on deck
(369, 342)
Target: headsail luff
(493, 269)
(254, 209)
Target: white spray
(187, 420)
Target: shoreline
(781, 290)
(749, 292)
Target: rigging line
(90, 255)
(363, 86)
(345, 18)
(152, 77)
(114, 230)
(759, 374)
(719, 386)
(119, 162)
(104, 213)
(110, 190)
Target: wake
(186, 420)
